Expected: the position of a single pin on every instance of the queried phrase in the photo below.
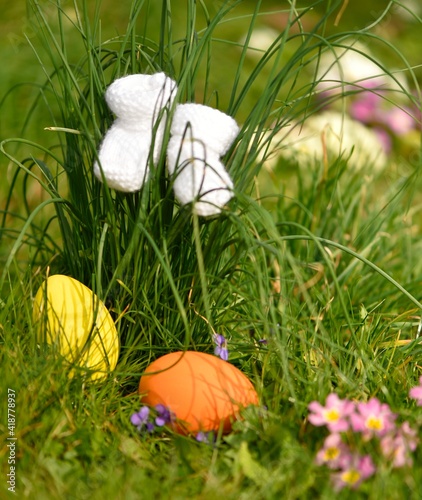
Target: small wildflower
(164, 415)
(354, 472)
(140, 419)
(205, 437)
(416, 393)
(334, 414)
(334, 453)
(221, 346)
(398, 445)
(410, 435)
(373, 418)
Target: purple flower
(221, 346)
(334, 414)
(164, 415)
(373, 418)
(140, 419)
(353, 472)
(334, 454)
(205, 437)
(416, 393)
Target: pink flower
(400, 120)
(366, 107)
(334, 454)
(370, 108)
(354, 472)
(416, 393)
(397, 446)
(373, 418)
(410, 435)
(334, 414)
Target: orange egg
(203, 391)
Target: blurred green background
(20, 68)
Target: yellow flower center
(332, 415)
(374, 424)
(331, 454)
(351, 476)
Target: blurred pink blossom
(399, 120)
(373, 418)
(398, 445)
(416, 393)
(354, 472)
(334, 414)
(372, 109)
(334, 453)
(366, 107)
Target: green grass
(324, 266)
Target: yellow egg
(204, 392)
(70, 316)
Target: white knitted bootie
(138, 102)
(200, 136)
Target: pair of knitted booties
(200, 136)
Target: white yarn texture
(200, 135)
(137, 101)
